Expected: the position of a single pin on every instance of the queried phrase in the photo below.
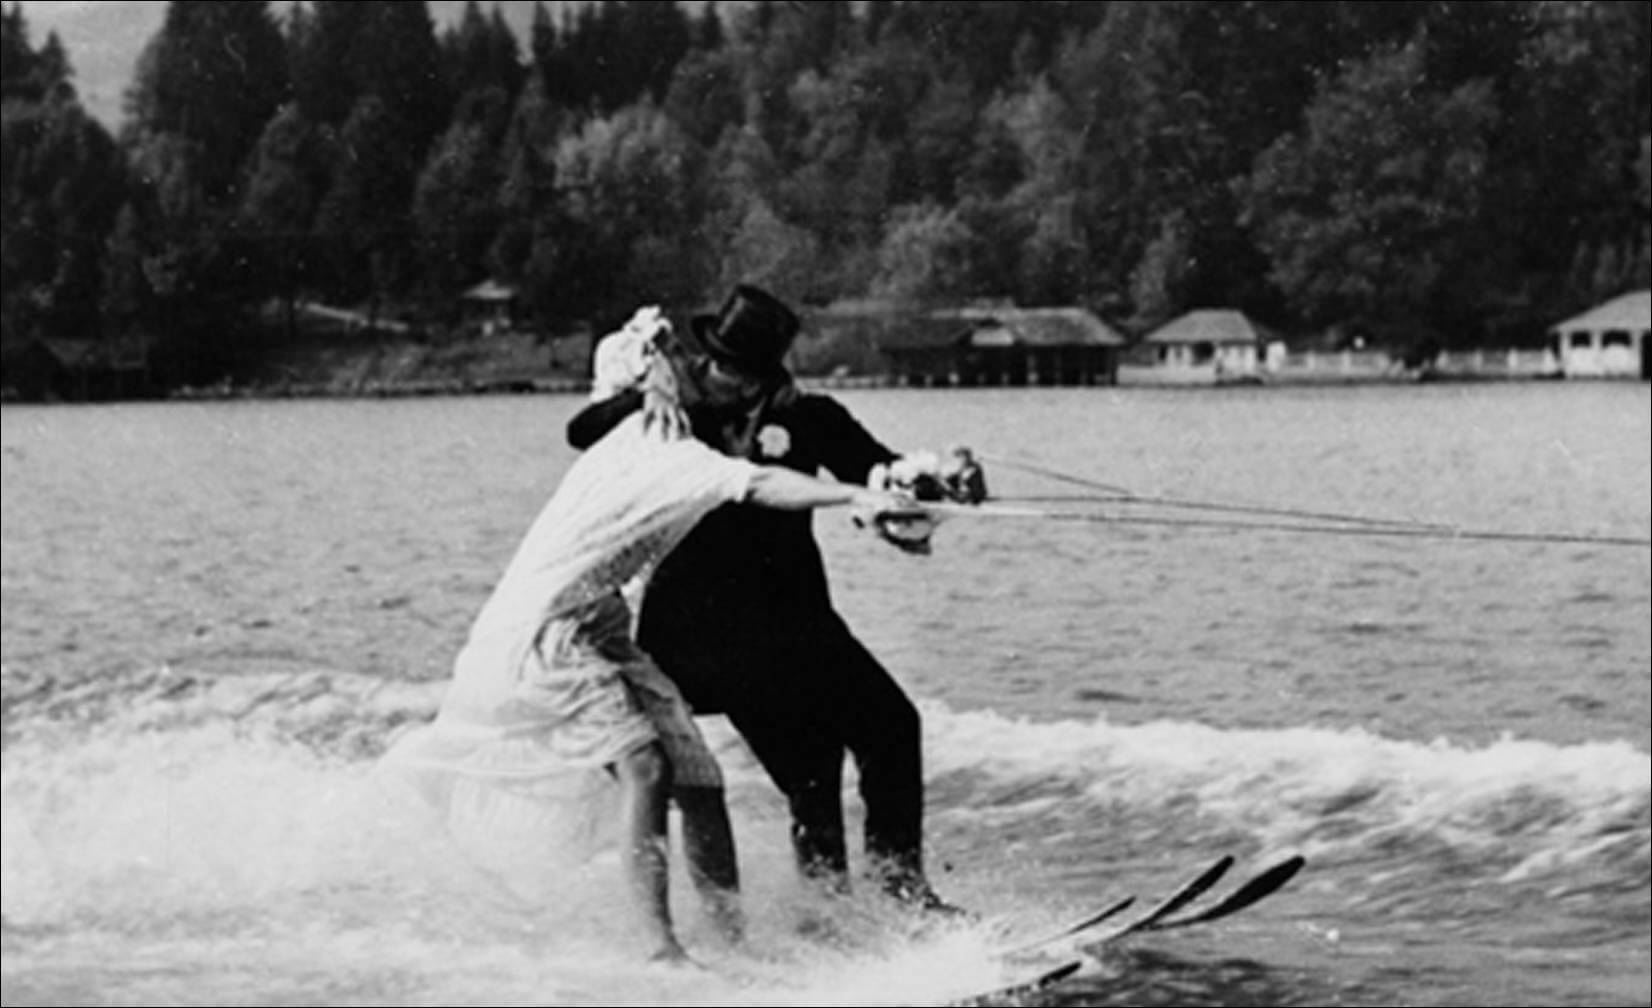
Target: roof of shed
(1208, 325)
(1627, 311)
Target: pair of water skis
(1171, 914)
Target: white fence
(1376, 365)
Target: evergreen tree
(347, 50)
(26, 73)
(363, 220)
(466, 51)
(322, 39)
(51, 68)
(708, 34)
(505, 55)
(456, 203)
(480, 53)
(16, 56)
(212, 77)
(399, 65)
(374, 74)
(63, 182)
(127, 301)
(978, 42)
(196, 298)
(705, 97)
(660, 35)
(616, 53)
(562, 64)
(526, 179)
(542, 42)
(288, 175)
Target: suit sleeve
(590, 424)
(848, 450)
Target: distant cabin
(1004, 345)
(1209, 346)
(79, 370)
(1607, 341)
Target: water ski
(1012, 993)
(1167, 915)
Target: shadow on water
(1148, 977)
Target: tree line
(1453, 172)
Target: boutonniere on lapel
(773, 441)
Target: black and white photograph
(827, 502)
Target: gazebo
(1607, 341)
(491, 306)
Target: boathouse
(1607, 341)
(1004, 345)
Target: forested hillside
(1456, 172)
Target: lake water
(215, 614)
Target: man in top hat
(740, 618)
(550, 694)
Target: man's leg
(816, 803)
(875, 719)
(645, 778)
(748, 677)
(806, 765)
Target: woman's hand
(662, 410)
(897, 518)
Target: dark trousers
(801, 701)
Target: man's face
(706, 383)
(728, 386)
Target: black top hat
(751, 332)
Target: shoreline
(1131, 378)
(581, 386)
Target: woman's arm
(787, 490)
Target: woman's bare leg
(645, 778)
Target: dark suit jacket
(742, 603)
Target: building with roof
(1207, 346)
(489, 307)
(1003, 345)
(1607, 341)
(78, 370)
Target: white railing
(1512, 362)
